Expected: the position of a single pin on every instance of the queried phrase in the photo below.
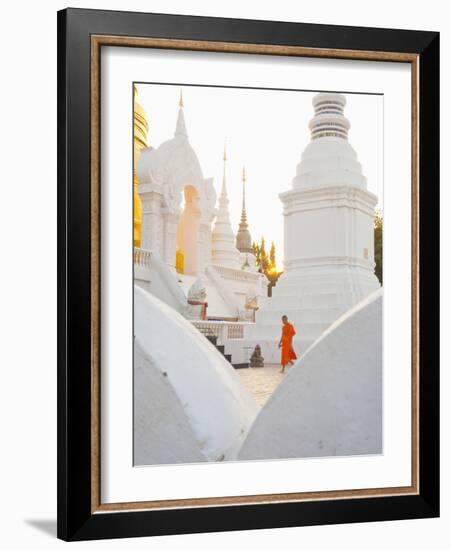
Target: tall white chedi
(224, 251)
(328, 234)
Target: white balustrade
(141, 256)
(223, 330)
(142, 259)
(235, 330)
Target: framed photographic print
(248, 274)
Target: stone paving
(261, 382)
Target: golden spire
(140, 142)
(181, 105)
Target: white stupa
(328, 235)
(224, 251)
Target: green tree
(264, 261)
(273, 276)
(378, 244)
(256, 249)
(267, 263)
(272, 256)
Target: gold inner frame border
(97, 41)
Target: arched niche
(187, 237)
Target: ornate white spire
(329, 159)
(224, 187)
(243, 207)
(223, 203)
(180, 129)
(224, 251)
(243, 237)
(329, 119)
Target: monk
(286, 343)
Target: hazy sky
(266, 131)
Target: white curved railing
(162, 278)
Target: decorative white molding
(238, 274)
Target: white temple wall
(204, 246)
(170, 221)
(365, 236)
(289, 238)
(328, 239)
(152, 226)
(328, 223)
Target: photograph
(257, 273)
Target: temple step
(219, 347)
(240, 365)
(212, 339)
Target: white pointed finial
(224, 252)
(224, 158)
(180, 129)
(243, 209)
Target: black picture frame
(76, 519)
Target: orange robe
(287, 354)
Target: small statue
(197, 300)
(257, 360)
